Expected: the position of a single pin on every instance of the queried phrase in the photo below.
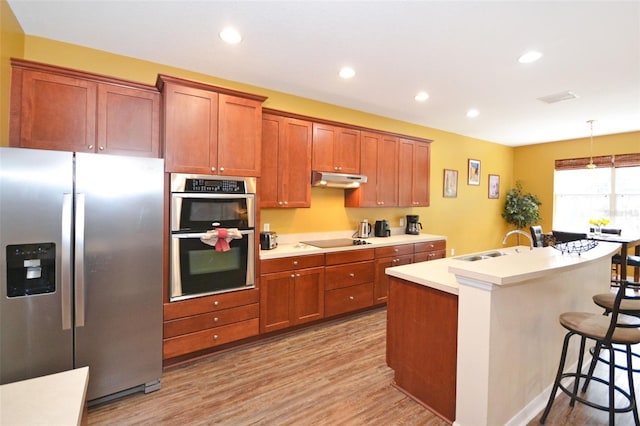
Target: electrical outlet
(401, 221)
(266, 227)
(453, 252)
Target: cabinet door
(323, 146)
(128, 121)
(414, 173)
(276, 301)
(56, 112)
(347, 150)
(269, 188)
(309, 295)
(421, 175)
(381, 283)
(295, 163)
(239, 137)
(191, 129)
(366, 195)
(387, 171)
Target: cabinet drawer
(338, 257)
(201, 305)
(213, 319)
(348, 299)
(348, 275)
(289, 263)
(394, 250)
(209, 338)
(430, 245)
(429, 255)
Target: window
(611, 190)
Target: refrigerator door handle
(65, 269)
(79, 261)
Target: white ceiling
(463, 53)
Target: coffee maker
(413, 224)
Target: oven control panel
(215, 185)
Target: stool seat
(596, 326)
(627, 306)
(631, 260)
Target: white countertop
(56, 399)
(290, 245)
(512, 268)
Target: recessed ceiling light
(473, 113)
(421, 96)
(231, 35)
(529, 57)
(346, 72)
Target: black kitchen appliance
(382, 228)
(268, 240)
(413, 224)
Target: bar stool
(606, 332)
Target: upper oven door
(197, 212)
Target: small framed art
(494, 186)
(474, 172)
(450, 187)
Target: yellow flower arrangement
(603, 221)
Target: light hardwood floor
(328, 374)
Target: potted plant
(520, 208)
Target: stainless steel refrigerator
(81, 268)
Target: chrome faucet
(519, 232)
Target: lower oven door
(197, 269)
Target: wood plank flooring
(328, 374)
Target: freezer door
(119, 231)
(36, 336)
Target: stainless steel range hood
(336, 180)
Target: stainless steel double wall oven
(200, 203)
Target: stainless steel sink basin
(480, 256)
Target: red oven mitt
(222, 244)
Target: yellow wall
(11, 45)
(534, 164)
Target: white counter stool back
(606, 331)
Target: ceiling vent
(558, 97)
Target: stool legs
(556, 382)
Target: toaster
(268, 240)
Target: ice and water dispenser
(31, 269)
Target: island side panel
(422, 326)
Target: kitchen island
(478, 342)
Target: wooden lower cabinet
(205, 322)
(291, 291)
(349, 281)
(347, 299)
(422, 327)
(429, 250)
(386, 257)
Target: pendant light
(591, 165)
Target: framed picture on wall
(474, 172)
(450, 187)
(494, 186)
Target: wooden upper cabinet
(239, 136)
(62, 109)
(286, 162)
(379, 162)
(414, 173)
(128, 121)
(209, 129)
(335, 149)
(190, 129)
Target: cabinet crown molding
(164, 79)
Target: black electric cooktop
(337, 242)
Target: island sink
(480, 256)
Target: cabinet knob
(221, 169)
(213, 169)
(216, 319)
(297, 275)
(352, 275)
(216, 303)
(351, 298)
(101, 148)
(295, 263)
(90, 147)
(279, 203)
(286, 202)
(293, 275)
(215, 337)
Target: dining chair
(565, 237)
(536, 235)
